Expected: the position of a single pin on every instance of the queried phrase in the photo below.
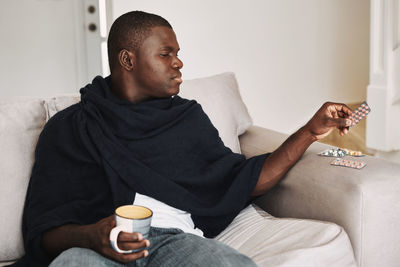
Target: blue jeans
(169, 247)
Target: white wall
(41, 52)
(289, 55)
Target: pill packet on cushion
(333, 152)
(339, 153)
(348, 163)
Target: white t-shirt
(165, 216)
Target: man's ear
(126, 59)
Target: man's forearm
(282, 159)
(64, 237)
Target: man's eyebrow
(170, 48)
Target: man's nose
(177, 64)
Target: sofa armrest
(365, 202)
(257, 140)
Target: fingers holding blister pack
(355, 117)
(360, 113)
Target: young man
(131, 139)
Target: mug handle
(113, 239)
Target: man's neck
(124, 88)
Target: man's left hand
(329, 117)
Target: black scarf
(94, 156)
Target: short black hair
(129, 31)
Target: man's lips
(177, 78)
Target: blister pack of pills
(348, 163)
(359, 113)
(339, 153)
(333, 152)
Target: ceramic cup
(130, 218)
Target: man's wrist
(308, 135)
(88, 236)
(81, 235)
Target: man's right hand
(95, 237)
(100, 241)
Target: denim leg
(181, 249)
(168, 247)
(77, 257)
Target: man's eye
(164, 55)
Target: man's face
(157, 69)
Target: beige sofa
(365, 202)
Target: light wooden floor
(354, 140)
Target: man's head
(143, 56)
(129, 31)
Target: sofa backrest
(22, 120)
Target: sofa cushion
(58, 103)
(21, 122)
(220, 98)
